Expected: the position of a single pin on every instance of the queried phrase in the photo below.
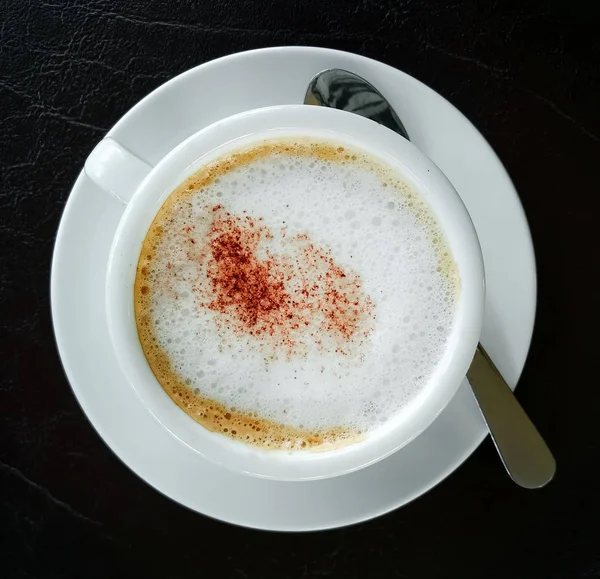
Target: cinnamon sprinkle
(287, 301)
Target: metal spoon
(523, 451)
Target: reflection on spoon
(523, 451)
(343, 90)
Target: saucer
(157, 124)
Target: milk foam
(373, 225)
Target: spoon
(523, 451)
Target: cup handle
(115, 169)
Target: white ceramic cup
(144, 189)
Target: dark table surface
(527, 74)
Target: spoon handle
(523, 451)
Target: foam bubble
(308, 387)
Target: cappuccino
(295, 294)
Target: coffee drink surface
(295, 294)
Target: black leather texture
(527, 74)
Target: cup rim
(184, 160)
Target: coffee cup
(144, 190)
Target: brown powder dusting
(240, 281)
(285, 301)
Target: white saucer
(153, 127)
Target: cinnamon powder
(290, 299)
